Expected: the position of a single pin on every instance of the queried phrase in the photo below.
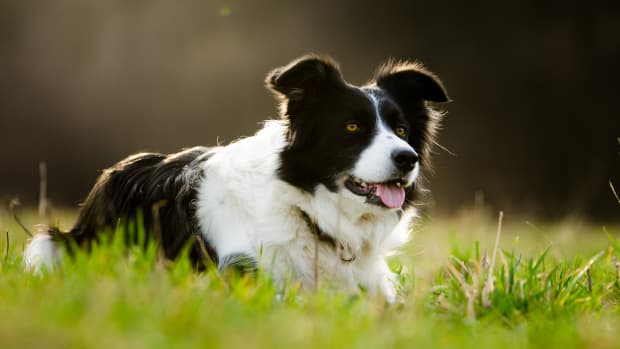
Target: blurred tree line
(533, 125)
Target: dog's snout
(405, 160)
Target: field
(554, 285)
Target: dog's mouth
(389, 194)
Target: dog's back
(156, 190)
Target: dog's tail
(45, 250)
(41, 253)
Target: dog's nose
(405, 160)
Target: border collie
(327, 190)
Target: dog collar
(345, 253)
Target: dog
(327, 191)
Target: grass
(553, 285)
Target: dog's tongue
(391, 195)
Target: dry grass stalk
(42, 189)
(467, 291)
(8, 245)
(489, 286)
(316, 262)
(12, 205)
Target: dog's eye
(353, 127)
(401, 132)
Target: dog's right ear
(304, 77)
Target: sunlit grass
(554, 285)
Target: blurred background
(533, 126)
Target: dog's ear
(412, 86)
(303, 77)
(411, 81)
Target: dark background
(534, 121)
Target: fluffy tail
(42, 252)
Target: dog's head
(366, 142)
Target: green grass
(555, 285)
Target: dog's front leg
(380, 280)
(230, 239)
(240, 262)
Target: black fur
(318, 103)
(161, 188)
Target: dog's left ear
(411, 81)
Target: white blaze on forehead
(375, 162)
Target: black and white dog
(327, 190)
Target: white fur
(41, 253)
(375, 163)
(244, 207)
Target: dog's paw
(240, 263)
